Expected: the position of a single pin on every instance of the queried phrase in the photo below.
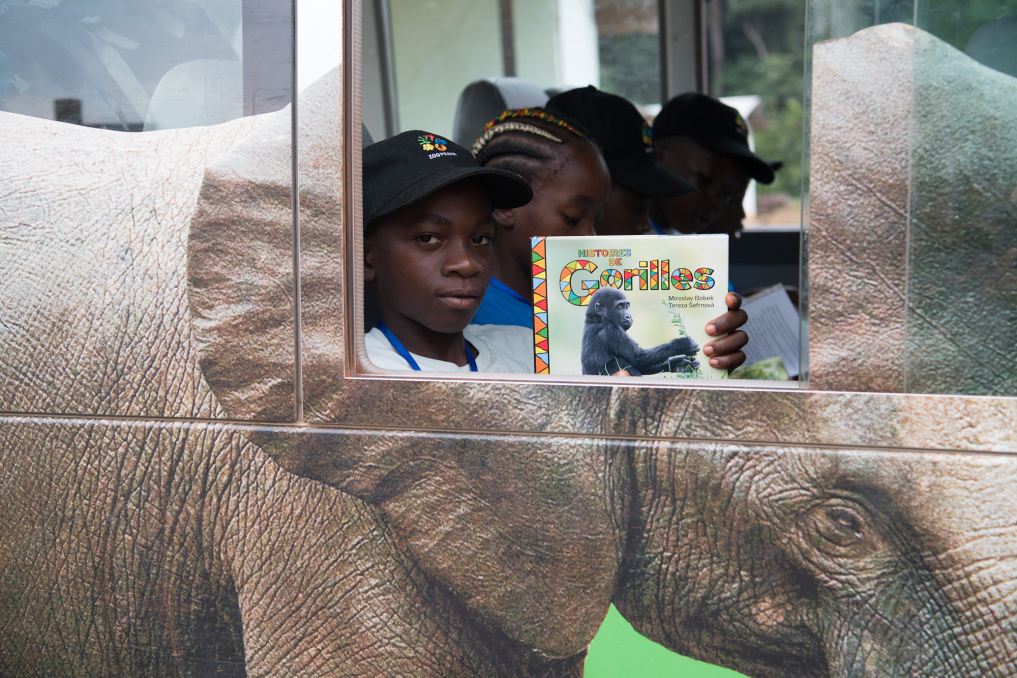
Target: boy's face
(720, 183)
(626, 212)
(431, 261)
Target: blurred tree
(758, 47)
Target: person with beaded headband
(570, 184)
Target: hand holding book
(726, 353)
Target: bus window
(423, 71)
(133, 66)
(432, 57)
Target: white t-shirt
(500, 348)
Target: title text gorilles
(580, 277)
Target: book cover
(627, 306)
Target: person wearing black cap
(636, 177)
(706, 142)
(428, 251)
(570, 185)
(624, 138)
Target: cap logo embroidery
(740, 124)
(429, 142)
(648, 137)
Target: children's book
(627, 306)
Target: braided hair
(531, 142)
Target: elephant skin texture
(148, 546)
(913, 217)
(176, 501)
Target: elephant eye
(839, 524)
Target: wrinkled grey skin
(140, 537)
(930, 197)
(834, 564)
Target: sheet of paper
(773, 328)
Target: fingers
(728, 362)
(725, 353)
(729, 322)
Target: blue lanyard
(401, 350)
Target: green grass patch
(618, 652)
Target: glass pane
(141, 65)
(755, 55)
(962, 279)
(914, 160)
(560, 44)
(159, 267)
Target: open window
(753, 53)
(453, 66)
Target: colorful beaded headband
(499, 125)
(492, 132)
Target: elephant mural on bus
(180, 495)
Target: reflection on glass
(144, 64)
(962, 231)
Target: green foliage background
(954, 21)
(772, 68)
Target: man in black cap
(706, 142)
(637, 178)
(624, 138)
(428, 252)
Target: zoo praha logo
(740, 124)
(430, 143)
(579, 279)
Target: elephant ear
(242, 252)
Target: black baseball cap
(714, 125)
(410, 166)
(624, 138)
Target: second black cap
(713, 124)
(625, 139)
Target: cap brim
(652, 179)
(507, 189)
(755, 167)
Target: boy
(428, 251)
(706, 142)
